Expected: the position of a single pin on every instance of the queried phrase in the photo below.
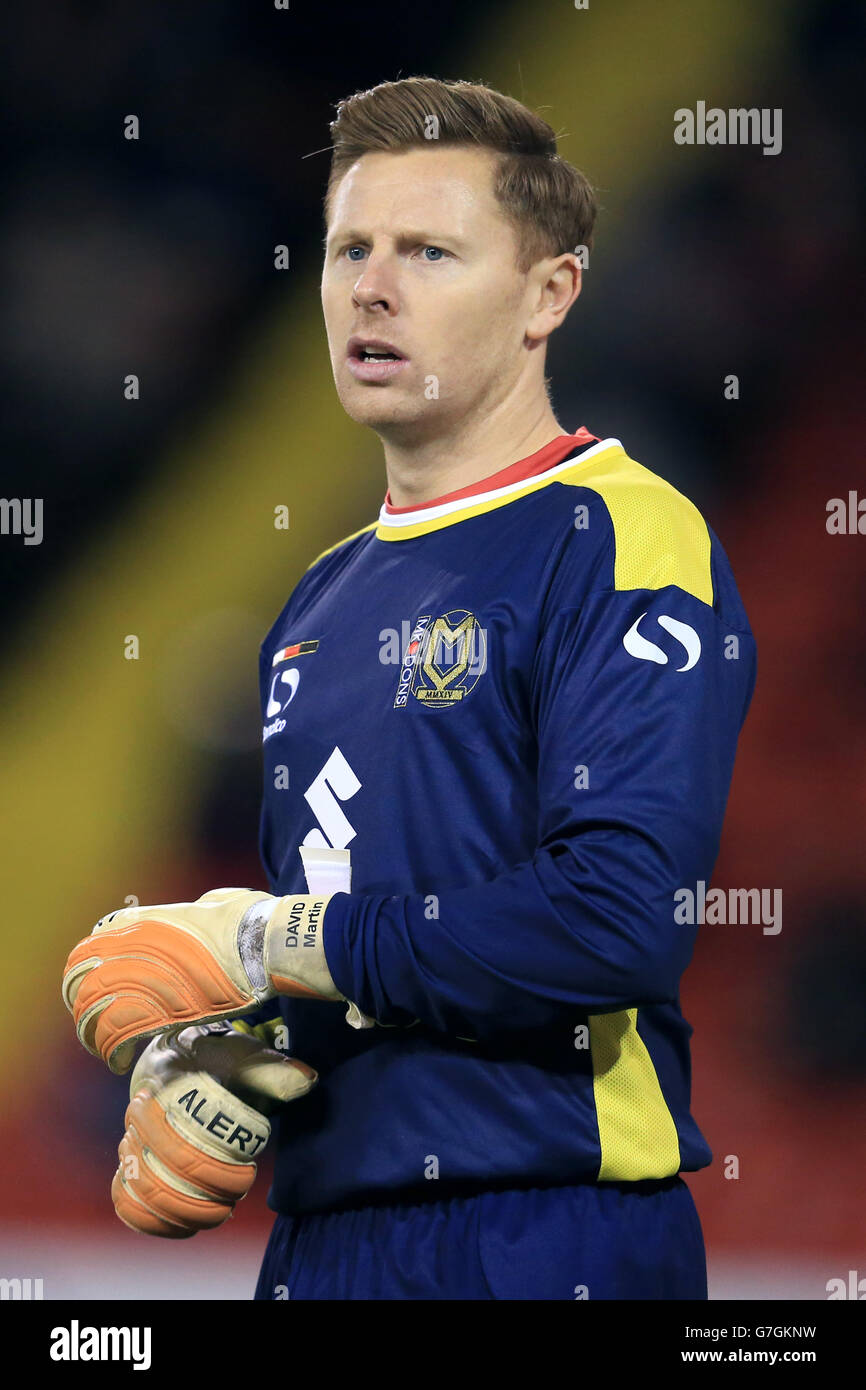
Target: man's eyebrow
(408, 236)
(337, 234)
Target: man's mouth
(373, 359)
(374, 350)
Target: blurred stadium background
(141, 777)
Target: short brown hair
(550, 203)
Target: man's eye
(351, 249)
(438, 253)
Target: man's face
(420, 256)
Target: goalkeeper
(511, 705)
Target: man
(510, 706)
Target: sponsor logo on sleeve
(645, 650)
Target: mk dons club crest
(443, 660)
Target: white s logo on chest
(335, 783)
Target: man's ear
(559, 280)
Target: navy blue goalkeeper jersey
(517, 706)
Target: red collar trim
(536, 463)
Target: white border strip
(448, 508)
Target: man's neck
(420, 471)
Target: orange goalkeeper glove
(144, 970)
(196, 1125)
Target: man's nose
(375, 285)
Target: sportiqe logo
(296, 649)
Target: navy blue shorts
(589, 1241)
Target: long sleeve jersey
(517, 707)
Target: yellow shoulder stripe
(371, 527)
(660, 536)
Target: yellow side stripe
(636, 1131)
